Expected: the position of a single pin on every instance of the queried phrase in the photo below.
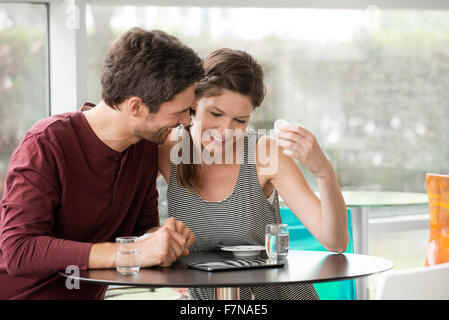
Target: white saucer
(243, 251)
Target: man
(79, 180)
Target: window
(24, 85)
(370, 84)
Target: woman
(233, 200)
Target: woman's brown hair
(229, 69)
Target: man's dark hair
(152, 65)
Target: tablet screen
(236, 264)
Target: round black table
(300, 267)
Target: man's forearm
(154, 229)
(102, 256)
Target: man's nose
(185, 120)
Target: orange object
(438, 193)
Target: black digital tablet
(236, 264)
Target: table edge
(176, 285)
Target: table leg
(229, 293)
(360, 229)
(360, 232)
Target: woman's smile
(217, 140)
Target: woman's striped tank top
(240, 219)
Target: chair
(438, 193)
(302, 239)
(425, 283)
(432, 280)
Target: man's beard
(158, 137)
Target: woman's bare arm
(325, 218)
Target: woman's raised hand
(302, 145)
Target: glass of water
(276, 241)
(127, 258)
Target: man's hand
(182, 229)
(161, 248)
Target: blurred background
(372, 84)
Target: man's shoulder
(49, 131)
(55, 122)
(42, 139)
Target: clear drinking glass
(127, 258)
(276, 241)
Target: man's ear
(135, 106)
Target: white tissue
(144, 236)
(279, 123)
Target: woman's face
(223, 119)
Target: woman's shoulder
(269, 155)
(266, 148)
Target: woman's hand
(182, 229)
(302, 145)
